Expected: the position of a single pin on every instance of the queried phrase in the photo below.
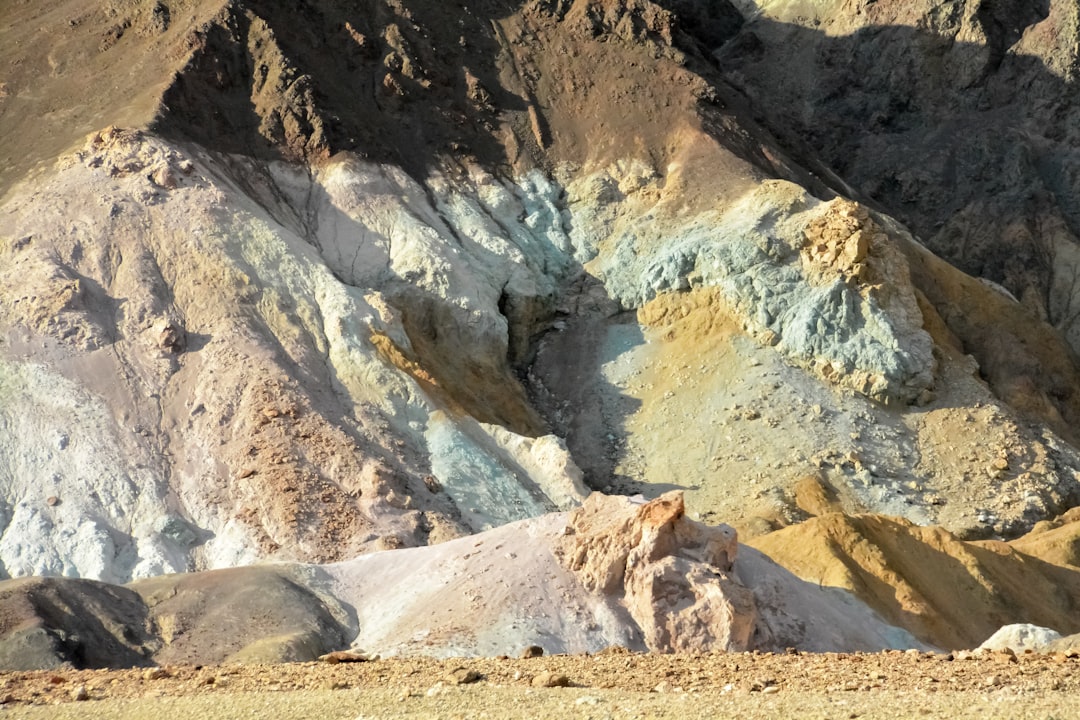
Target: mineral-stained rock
(373, 276)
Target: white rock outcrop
(1021, 637)
(199, 376)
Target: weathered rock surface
(1027, 638)
(330, 279)
(1056, 541)
(674, 574)
(635, 574)
(296, 420)
(50, 622)
(956, 118)
(250, 615)
(768, 254)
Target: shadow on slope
(304, 81)
(973, 145)
(944, 591)
(252, 614)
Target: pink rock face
(672, 574)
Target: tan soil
(611, 684)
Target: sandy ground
(613, 684)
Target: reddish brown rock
(673, 574)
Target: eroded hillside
(303, 283)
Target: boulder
(673, 574)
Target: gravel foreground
(614, 684)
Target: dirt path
(613, 684)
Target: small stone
(992, 681)
(52, 501)
(80, 693)
(1005, 655)
(549, 679)
(462, 676)
(663, 687)
(155, 673)
(344, 656)
(771, 690)
(533, 651)
(163, 177)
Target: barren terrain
(613, 684)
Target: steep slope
(266, 408)
(923, 579)
(958, 118)
(1055, 541)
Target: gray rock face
(262, 614)
(50, 622)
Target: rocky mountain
(302, 283)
